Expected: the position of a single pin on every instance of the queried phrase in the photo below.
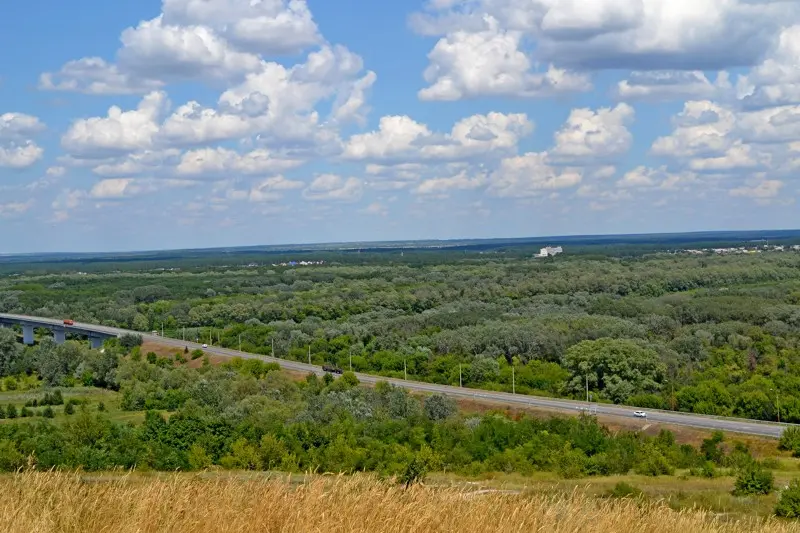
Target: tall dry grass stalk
(47, 502)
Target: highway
(735, 425)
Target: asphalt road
(735, 425)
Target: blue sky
(185, 123)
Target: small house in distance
(549, 251)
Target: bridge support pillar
(97, 342)
(60, 335)
(27, 334)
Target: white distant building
(549, 251)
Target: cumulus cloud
(12, 209)
(119, 188)
(402, 139)
(19, 156)
(442, 187)
(193, 40)
(529, 175)
(673, 85)
(119, 132)
(776, 80)
(594, 135)
(760, 191)
(632, 34)
(490, 63)
(221, 162)
(331, 187)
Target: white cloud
(55, 172)
(632, 34)
(119, 132)
(594, 135)
(529, 175)
(760, 190)
(19, 156)
(271, 189)
(643, 177)
(402, 139)
(776, 80)
(265, 27)
(441, 187)
(334, 188)
(192, 39)
(146, 161)
(376, 208)
(119, 188)
(490, 63)
(221, 162)
(672, 85)
(158, 51)
(19, 126)
(93, 75)
(12, 209)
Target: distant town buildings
(549, 251)
(740, 250)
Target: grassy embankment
(64, 503)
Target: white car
(205, 346)
(640, 414)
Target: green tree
(753, 479)
(618, 368)
(789, 503)
(439, 407)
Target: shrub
(197, 354)
(790, 440)
(69, 408)
(152, 357)
(753, 479)
(789, 502)
(101, 406)
(439, 407)
(48, 412)
(11, 411)
(624, 490)
(24, 412)
(130, 340)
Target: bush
(24, 412)
(439, 407)
(11, 411)
(197, 354)
(753, 479)
(101, 406)
(69, 408)
(790, 440)
(624, 490)
(789, 502)
(48, 412)
(152, 357)
(130, 340)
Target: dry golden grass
(46, 502)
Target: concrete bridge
(59, 329)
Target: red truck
(69, 322)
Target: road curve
(734, 425)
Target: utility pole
(405, 372)
(273, 347)
(777, 402)
(183, 334)
(240, 342)
(162, 329)
(351, 359)
(513, 381)
(309, 354)
(459, 376)
(587, 388)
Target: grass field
(51, 502)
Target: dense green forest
(704, 334)
(248, 415)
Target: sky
(147, 124)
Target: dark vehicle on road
(333, 369)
